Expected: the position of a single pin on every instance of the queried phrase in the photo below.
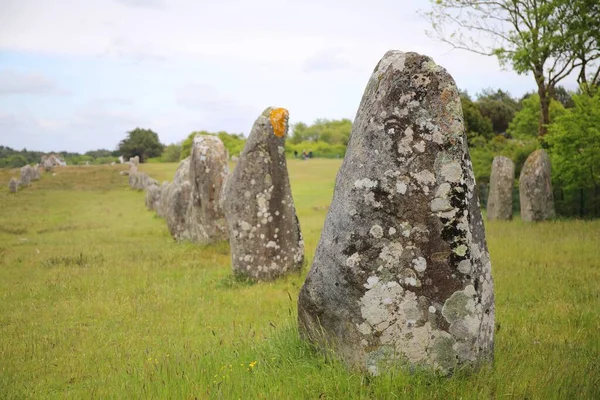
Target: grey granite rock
(402, 274)
(499, 204)
(264, 231)
(13, 185)
(535, 188)
(208, 173)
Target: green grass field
(97, 301)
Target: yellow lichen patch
(279, 119)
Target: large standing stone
(402, 274)
(36, 172)
(26, 175)
(264, 232)
(535, 188)
(13, 185)
(49, 161)
(153, 193)
(134, 161)
(208, 172)
(177, 202)
(162, 206)
(499, 204)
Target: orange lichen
(279, 120)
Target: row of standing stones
(253, 207)
(29, 173)
(402, 274)
(535, 188)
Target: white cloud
(327, 60)
(186, 65)
(14, 82)
(144, 3)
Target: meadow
(97, 301)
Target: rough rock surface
(49, 161)
(208, 173)
(27, 174)
(402, 274)
(264, 232)
(36, 172)
(153, 197)
(535, 188)
(499, 204)
(13, 185)
(138, 180)
(162, 206)
(134, 161)
(177, 201)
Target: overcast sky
(76, 75)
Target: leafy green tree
(17, 161)
(563, 96)
(476, 125)
(547, 38)
(323, 130)
(499, 107)
(141, 142)
(298, 132)
(234, 143)
(99, 153)
(172, 153)
(574, 140)
(525, 123)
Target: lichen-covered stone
(26, 175)
(499, 204)
(264, 232)
(177, 202)
(162, 206)
(208, 173)
(402, 275)
(153, 197)
(13, 185)
(49, 161)
(535, 188)
(138, 180)
(36, 172)
(134, 161)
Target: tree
(548, 38)
(574, 140)
(171, 153)
(141, 142)
(324, 130)
(234, 143)
(499, 107)
(476, 125)
(525, 123)
(563, 96)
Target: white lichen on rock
(259, 206)
(402, 273)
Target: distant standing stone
(36, 172)
(13, 185)
(535, 188)
(162, 206)
(177, 202)
(402, 275)
(153, 193)
(499, 204)
(264, 232)
(208, 172)
(26, 175)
